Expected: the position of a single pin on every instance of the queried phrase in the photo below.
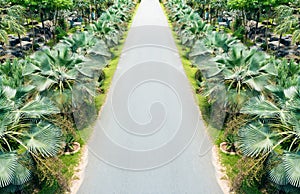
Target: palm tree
(53, 69)
(112, 23)
(241, 73)
(286, 19)
(25, 133)
(212, 45)
(11, 20)
(193, 30)
(55, 72)
(86, 44)
(177, 9)
(204, 51)
(107, 29)
(274, 130)
(276, 135)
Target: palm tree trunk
(266, 37)
(217, 15)
(55, 24)
(280, 37)
(96, 11)
(19, 36)
(210, 17)
(245, 24)
(257, 21)
(33, 36)
(257, 18)
(266, 32)
(42, 20)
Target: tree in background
(11, 20)
(286, 21)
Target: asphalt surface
(149, 138)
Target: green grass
(109, 72)
(50, 189)
(229, 161)
(70, 162)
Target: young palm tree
(240, 72)
(192, 30)
(107, 29)
(86, 44)
(11, 21)
(25, 134)
(274, 131)
(286, 19)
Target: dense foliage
(257, 92)
(283, 12)
(39, 93)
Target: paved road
(150, 138)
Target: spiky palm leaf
(245, 69)
(107, 28)
(80, 42)
(3, 36)
(216, 41)
(37, 108)
(12, 169)
(296, 36)
(263, 108)
(99, 54)
(11, 73)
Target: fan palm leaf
(43, 138)
(21, 175)
(291, 163)
(277, 173)
(256, 138)
(8, 163)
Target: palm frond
(37, 108)
(255, 139)
(277, 174)
(43, 138)
(259, 106)
(291, 163)
(8, 163)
